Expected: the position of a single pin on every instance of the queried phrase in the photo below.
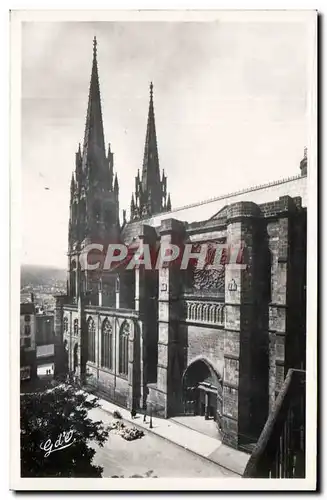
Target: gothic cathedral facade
(211, 342)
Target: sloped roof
(214, 208)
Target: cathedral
(210, 342)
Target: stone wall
(206, 342)
(250, 340)
(264, 312)
(287, 244)
(123, 388)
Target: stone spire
(94, 147)
(95, 206)
(110, 159)
(132, 204)
(168, 208)
(72, 212)
(150, 170)
(150, 190)
(304, 163)
(72, 184)
(116, 186)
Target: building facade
(27, 341)
(215, 342)
(27, 325)
(44, 329)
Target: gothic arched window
(106, 345)
(75, 326)
(123, 349)
(91, 340)
(75, 357)
(66, 324)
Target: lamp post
(150, 416)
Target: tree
(56, 431)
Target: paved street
(150, 455)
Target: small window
(27, 330)
(75, 326)
(27, 318)
(27, 342)
(123, 348)
(107, 345)
(65, 324)
(25, 373)
(91, 340)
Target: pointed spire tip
(95, 46)
(151, 90)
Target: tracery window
(91, 340)
(66, 324)
(123, 349)
(106, 345)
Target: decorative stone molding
(232, 286)
(125, 328)
(204, 312)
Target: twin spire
(150, 190)
(94, 146)
(94, 164)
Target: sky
(230, 103)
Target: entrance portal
(202, 391)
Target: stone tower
(94, 190)
(151, 190)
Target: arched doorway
(202, 391)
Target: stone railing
(205, 312)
